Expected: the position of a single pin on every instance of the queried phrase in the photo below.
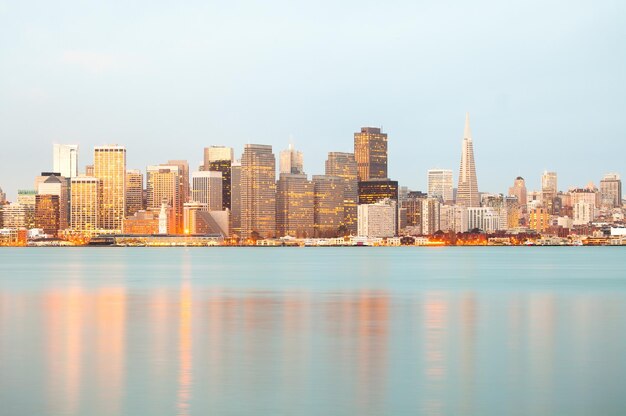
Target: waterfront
(338, 331)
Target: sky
(544, 83)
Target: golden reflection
(435, 326)
(185, 342)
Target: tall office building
(519, 190)
(47, 216)
(3, 197)
(258, 191)
(85, 211)
(294, 206)
(206, 188)
(376, 190)
(110, 167)
(27, 199)
(235, 198)
(611, 191)
(58, 186)
(440, 185)
(549, 191)
(370, 152)
(467, 192)
(378, 220)
(328, 205)
(344, 166)
(134, 191)
(163, 185)
(291, 161)
(430, 215)
(183, 179)
(413, 206)
(65, 159)
(220, 159)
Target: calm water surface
(316, 331)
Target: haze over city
(544, 84)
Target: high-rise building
(14, 216)
(413, 206)
(3, 197)
(519, 190)
(235, 198)
(206, 188)
(376, 190)
(110, 168)
(549, 191)
(27, 199)
(440, 185)
(611, 191)
(89, 171)
(378, 220)
(216, 153)
(183, 179)
(56, 185)
(467, 192)
(430, 215)
(134, 191)
(220, 159)
(328, 205)
(258, 191)
(163, 185)
(47, 208)
(224, 167)
(370, 153)
(344, 166)
(483, 218)
(65, 159)
(294, 205)
(85, 204)
(291, 161)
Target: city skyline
(557, 88)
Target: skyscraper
(376, 190)
(440, 185)
(344, 166)
(294, 205)
(65, 159)
(220, 159)
(258, 191)
(611, 191)
(370, 152)
(183, 179)
(134, 191)
(549, 190)
(519, 190)
(328, 205)
(58, 186)
(235, 198)
(206, 188)
(467, 193)
(27, 199)
(110, 168)
(163, 186)
(47, 213)
(379, 219)
(85, 211)
(291, 161)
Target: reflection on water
(184, 342)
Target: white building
(65, 159)
(430, 215)
(440, 184)
(291, 161)
(377, 220)
(484, 218)
(206, 188)
(584, 212)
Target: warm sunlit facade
(163, 186)
(110, 168)
(294, 205)
(85, 212)
(344, 165)
(258, 191)
(370, 153)
(134, 191)
(328, 204)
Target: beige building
(85, 210)
(134, 191)
(467, 192)
(378, 220)
(163, 186)
(519, 191)
(294, 206)
(206, 188)
(611, 191)
(258, 191)
(344, 166)
(291, 161)
(440, 185)
(110, 168)
(539, 219)
(370, 153)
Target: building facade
(258, 191)
(206, 188)
(85, 210)
(134, 191)
(440, 185)
(467, 192)
(110, 168)
(294, 206)
(370, 153)
(378, 220)
(344, 166)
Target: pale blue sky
(544, 82)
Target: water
(315, 331)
